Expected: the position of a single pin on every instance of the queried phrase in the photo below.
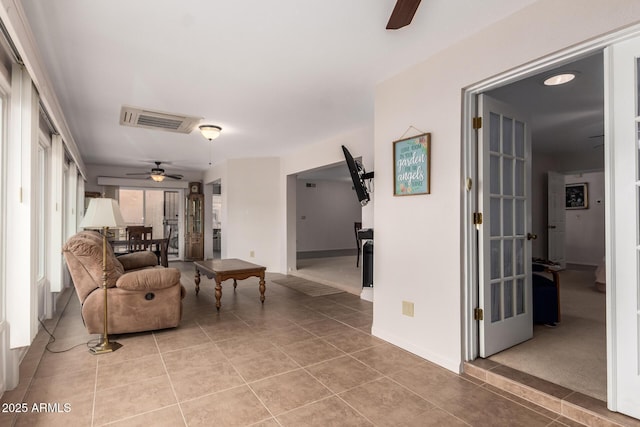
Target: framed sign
(577, 196)
(412, 165)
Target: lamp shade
(157, 177)
(210, 131)
(102, 213)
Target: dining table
(157, 246)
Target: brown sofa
(142, 296)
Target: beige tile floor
(338, 271)
(295, 361)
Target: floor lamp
(103, 214)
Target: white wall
(254, 190)
(325, 215)
(250, 209)
(585, 240)
(324, 153)
(418, 252)
(557, 162)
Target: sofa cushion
(149, 279)
(136, 260)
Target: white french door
(504, 254)
(623, 218)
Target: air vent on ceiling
(149, 119)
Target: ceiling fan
(158, 174)
(402, 14)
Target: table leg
(197, 281)
(262, 288)
(235, 284)
(218, 293)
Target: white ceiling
(567, 119)
(564, 119)
(275, 75)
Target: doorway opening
(327, 210)
(567, 124)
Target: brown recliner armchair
(141, 295)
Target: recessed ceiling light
(559, 79)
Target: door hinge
(477, 218)
(478, 314)
(477, 123)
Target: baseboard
(579, 266)
(454, 366)
(326, 253)
(367, 293)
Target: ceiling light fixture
(210, 132)
(157, 177)
(559, 79)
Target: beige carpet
(307, 287)
(573, 354)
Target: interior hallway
(574, 353)
(296, 360)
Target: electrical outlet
(407, 308)
(252, 254)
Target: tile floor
(295, 361)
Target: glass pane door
(504, 260)
(153, 208)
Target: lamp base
(105, 347)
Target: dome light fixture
(210, 132)
(157, 177)
(559, 79)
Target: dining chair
(138, 236)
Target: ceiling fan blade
(141, 173)
(174, 176)
(402, 14)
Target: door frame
(470, 192)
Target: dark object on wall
(367, 264)
(577, 196)
(358, 175)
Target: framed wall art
(412, 165)
(577, 196)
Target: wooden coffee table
(232, 268)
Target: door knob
(531, 236)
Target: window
(41, 210)
(155, 208)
